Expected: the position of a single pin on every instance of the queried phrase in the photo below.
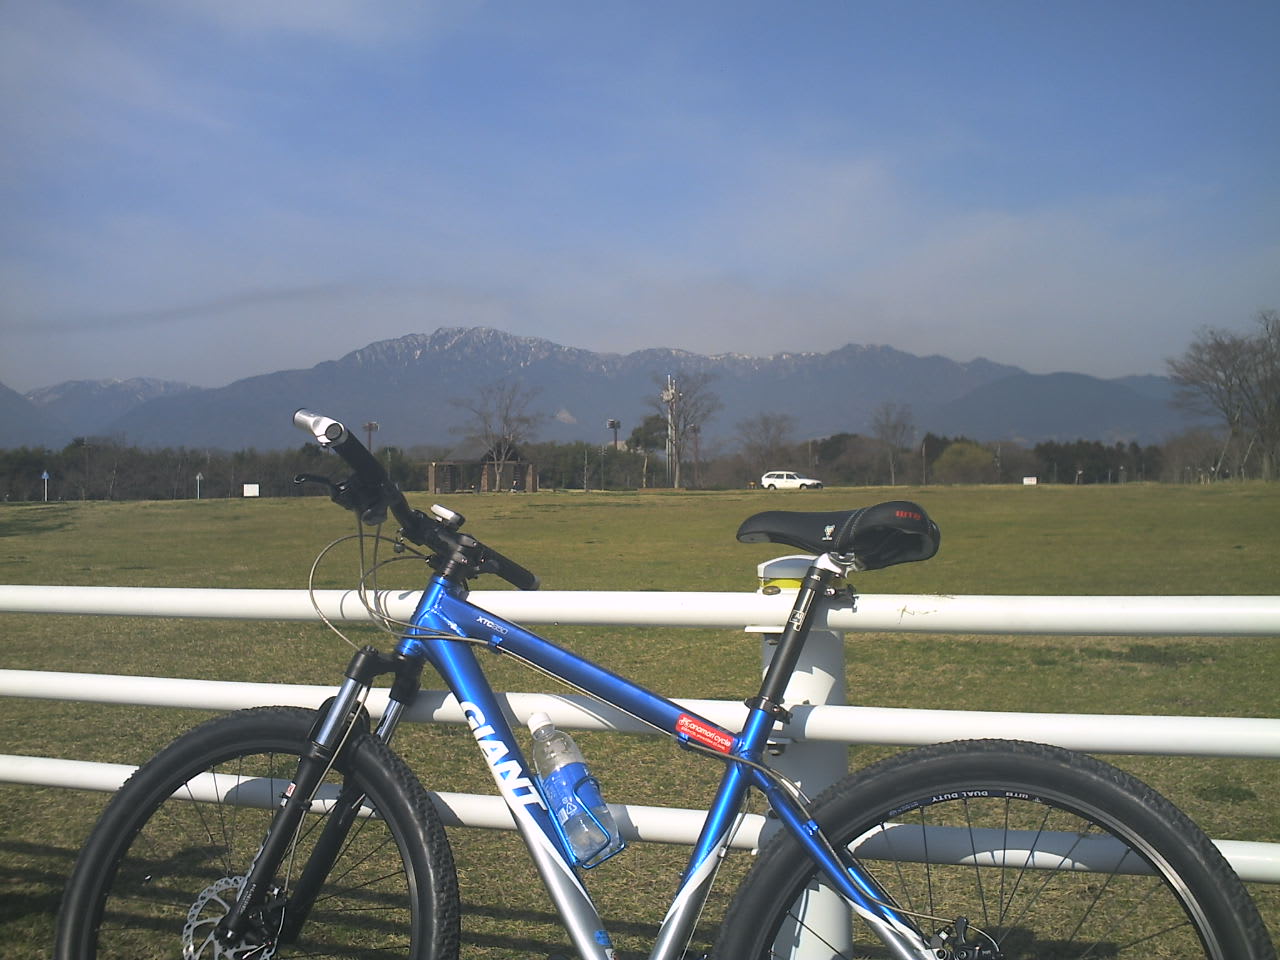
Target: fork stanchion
(819, 678)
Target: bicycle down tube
(444, 609)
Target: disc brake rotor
(213, 903)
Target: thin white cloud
(70, 83)
(356, 22)
(114, 323)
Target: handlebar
(492, 561)
(323, 429)
(370, 493)
(373, 493)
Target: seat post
(813, 587)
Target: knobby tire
(1077, 834)
(160, 867)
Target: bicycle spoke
(1030, 862)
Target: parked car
(788, 480)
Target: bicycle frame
(444, 610)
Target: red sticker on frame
(704, 734)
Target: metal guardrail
(817, 735)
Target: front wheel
(169, 856)
(999, 850)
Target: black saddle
(897, 531)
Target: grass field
(1140, 539)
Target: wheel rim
(190, 855)
(1034, 901)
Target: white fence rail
(931, 613)
(816, 735)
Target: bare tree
(764, 440)
(501, 420)
(1190, 457)
(687, 403)
(1237, 377)
(893, 426)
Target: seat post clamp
(775, 710)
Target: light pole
(670, 398)
(199, 477)
(615, 426)
(370, 429)
(45, 477)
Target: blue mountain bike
(281, 832)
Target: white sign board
(250, 489)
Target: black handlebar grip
(512, 572)
(330, 433)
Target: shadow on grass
(514, 920)
(32, 876)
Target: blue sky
(204, 190)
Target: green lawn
(1142, 539)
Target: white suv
(786, 480)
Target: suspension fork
(333, 726)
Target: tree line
(1234, 376)
(100, 468)
(103, 469)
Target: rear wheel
(168, 857)
(1001, 850)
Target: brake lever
(350, 494)
(302, 478)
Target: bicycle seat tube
(815, 587)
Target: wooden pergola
(479, 473)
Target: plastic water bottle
(573, 795)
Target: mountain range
(412, 385)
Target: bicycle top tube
(444, 613)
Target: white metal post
(824, 929)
